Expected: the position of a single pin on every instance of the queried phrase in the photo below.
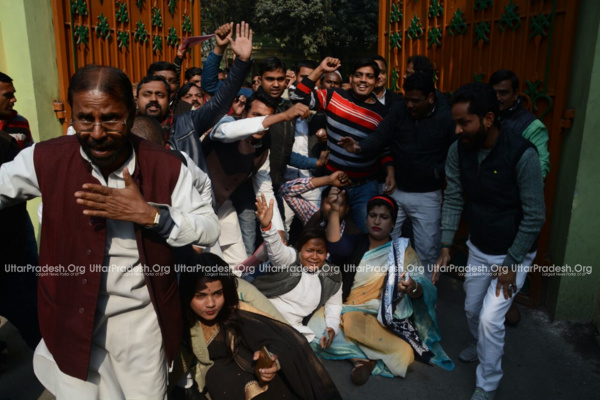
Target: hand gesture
(125, 204)
(264, 212)
(442, 261)
(323, 158)
(266, 374)
(290, 77)
(182, 49)
(222, 35)
(349, 144)
(390, 184)
(507, 282)
(330, 64)
(339, 178)
(239, 104)
(298, 110)
(406, 286)
(336, 198)
(242, 46)
(327, 338)
(321, 135)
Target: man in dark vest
(498, 174)
(114, 207)
(515, 117)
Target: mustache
(152, 104)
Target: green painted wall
(28, 56)
(576, 223)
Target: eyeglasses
(108, 126)
(255, 81)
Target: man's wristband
(266, 228)
(446, 245)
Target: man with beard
(498, 175)
(108, 307)
(153, 94)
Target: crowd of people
(231, 232)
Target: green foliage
(301, 29)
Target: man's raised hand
(330, 64)
(242, 46)
(222, 36)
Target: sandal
(362, 371)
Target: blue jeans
(358, 197)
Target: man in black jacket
(420, 130)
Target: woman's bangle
(266, 228)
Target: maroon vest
(67, 304)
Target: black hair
(154, 78)
(148, 128)
(420, 64)
(481, 98)
(5, 78)
(208, 267)
(366, 62)
(160, 66)
(309, 234)
(183, 90)
(271, 64)
(108, 80)
(306, 64)
(379, 58)
(384, 200)
(191, 72)
(263, 97)
(504, 74)
(421, 81)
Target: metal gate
(467, 40)
(127, 34)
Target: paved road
(543, 360)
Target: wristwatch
(156, 219)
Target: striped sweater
(346, 116)
(17, 126)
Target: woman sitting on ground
(389, 306)
(223, 343)
(300, 281)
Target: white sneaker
(481, 394)
(469, 354)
